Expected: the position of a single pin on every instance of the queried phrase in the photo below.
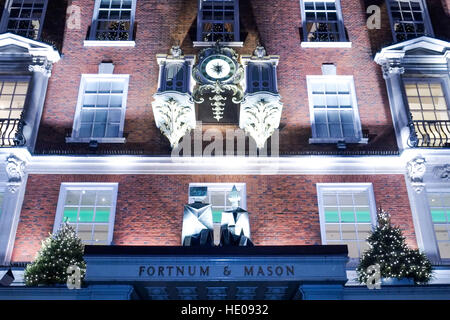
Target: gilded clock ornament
(218, 72)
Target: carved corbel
(15, 169)
(44, 67)
(174, 115)
(416, 169)
(391, 68)
(260, 116)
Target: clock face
(218, 67)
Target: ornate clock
(218, 67)
(218, 76)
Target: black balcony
(430, 133)
(11, 133)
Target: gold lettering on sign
(205, 271)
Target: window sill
(103, 43)
(225, 44)
(334, 141)
(318, 44)
(99, 140)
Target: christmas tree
(58, 252)
(389, 250)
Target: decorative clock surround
(219, 79)
(218, 71)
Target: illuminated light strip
(216, 165)
(312, 164)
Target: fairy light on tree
(57, 253)
(388, 249)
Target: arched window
(175, 77)
(260, 77)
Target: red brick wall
(283, 209)
(274, 23)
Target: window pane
(73, 197)
(101, 233)
(438, 215)
(86, 214)
(85, 232)
(331, 214)
(102, 214)
(347, 214)
(444, 250)
(332, 232)
(329, 199)
(88, 197)
(348, 232)
(70, 213)
(362, 214)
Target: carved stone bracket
(42, 66)
(442, 172)
(260, 116)
(416, 169)
(392, 67)
(174, 115)
(15, 169)
(217, 100)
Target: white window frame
(436, 189)
(6, 16)
(77, 121)
(237, 29)
(428, 28)
(66, 186)
(241, 187)
(358, 138)
(343, 41)
(324, 187)
(18, 78)
(443, 80)
(93, 42)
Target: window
(333, 109)
(24, 17)
(113, 20)
(347, 215)
(101, 109)
(175, 77)
(426, 100)
(409, 19)
(90, 209)
(439, 203)
(13, 94)
(218, 21)
(429, 110)
(322, 21)
(260, 77)
(218, 196)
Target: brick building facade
(349, 111)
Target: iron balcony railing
(430, 133)
(11, 132)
